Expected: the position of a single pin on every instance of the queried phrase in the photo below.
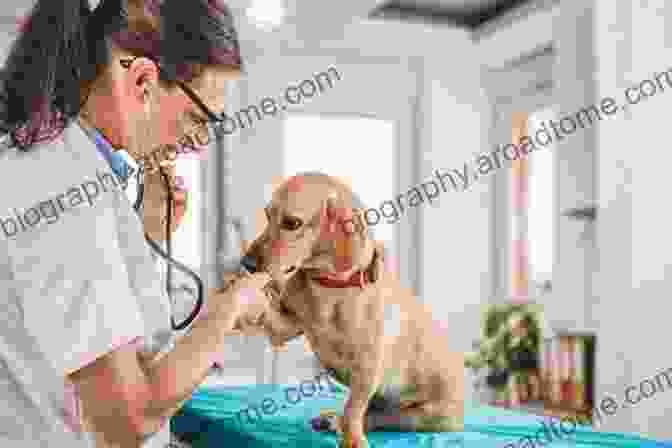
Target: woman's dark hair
(64, 46)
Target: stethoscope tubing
(167, 255)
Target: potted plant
(510, 341)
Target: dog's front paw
(326, 422)
(351, 440)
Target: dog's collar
(357, 279)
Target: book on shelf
(569, 371)
(564, 380)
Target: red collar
(357, 279)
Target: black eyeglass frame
(213, 118)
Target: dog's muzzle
(251, 265)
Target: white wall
(633, 224)
(575, 170)
(526, 35)
(569, 29)
(455, 231)
(612, 276)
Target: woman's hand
(242, 303)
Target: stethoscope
(167, 254)
(233, 226)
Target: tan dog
(374, 335)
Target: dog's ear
(338, 228)
(380, 262)
(342, 221)
(327, 218)
(320, 220)
(359, 223)
(323, 261)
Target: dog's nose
(249, 262)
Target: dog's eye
(291, 223)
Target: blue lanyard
(117, 162)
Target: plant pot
(524, 360)
(497, 378)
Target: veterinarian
(82, 302)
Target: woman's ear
(141, 78)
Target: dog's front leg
(365, 380)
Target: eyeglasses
(202, 133)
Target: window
(358, 150)
(532, 212)
(541, 208)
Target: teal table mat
(265, 416)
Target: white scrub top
(77, 281)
